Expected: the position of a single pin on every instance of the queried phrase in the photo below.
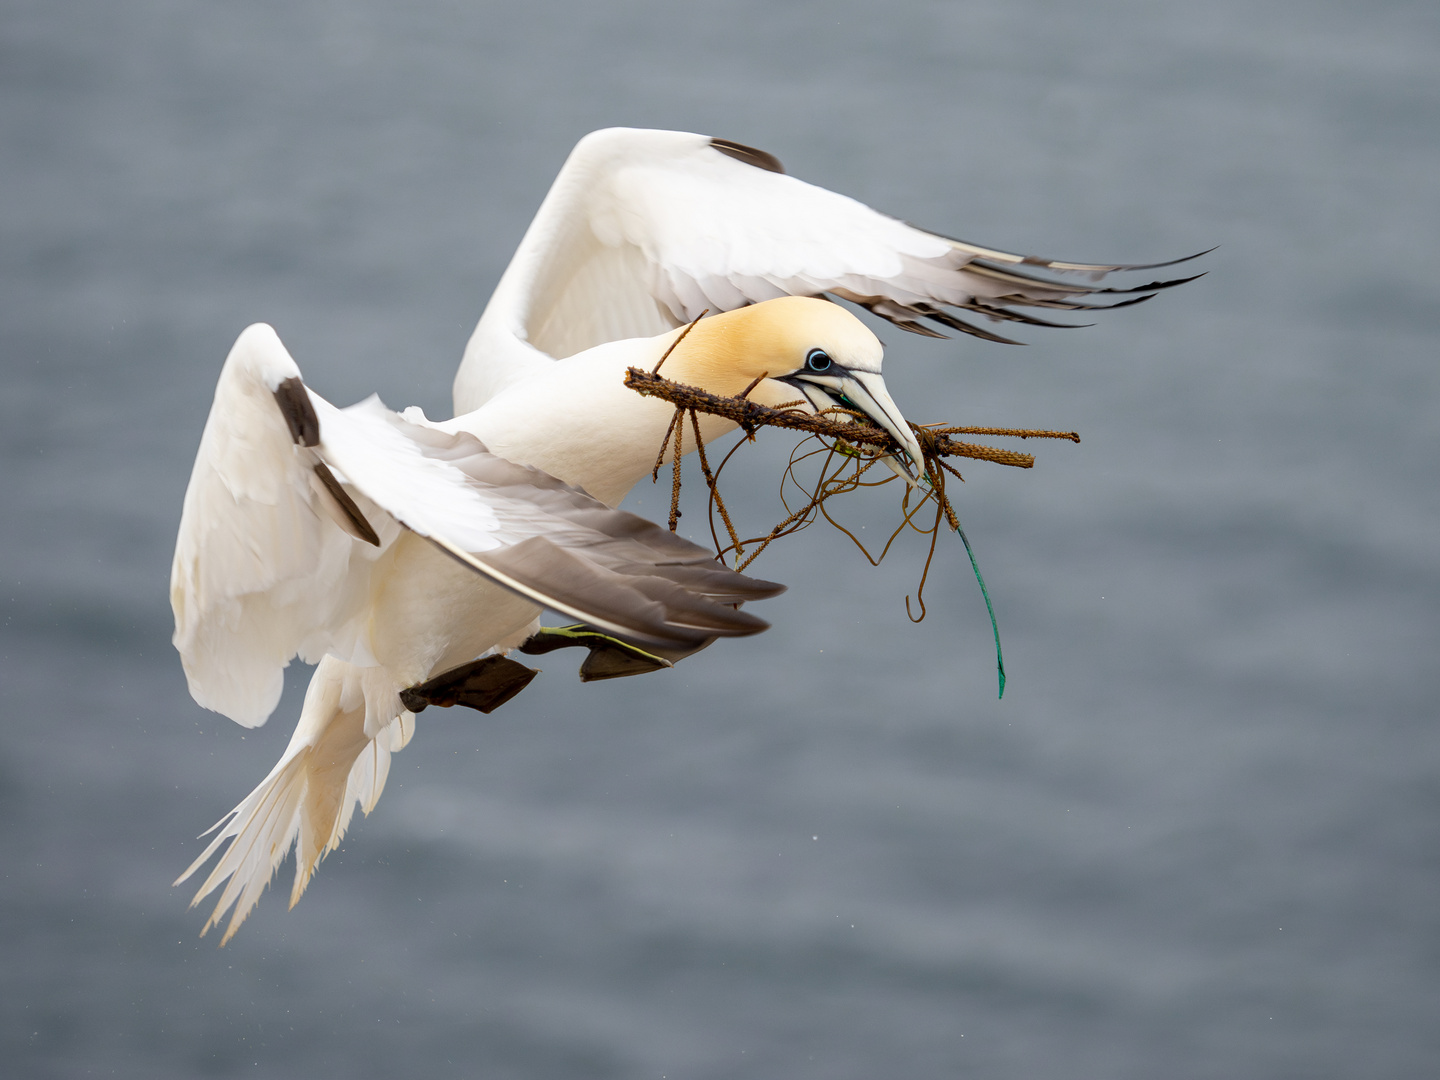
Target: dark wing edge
(996, 289)
(646, 607)
(607, 567)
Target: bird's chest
(430, 614)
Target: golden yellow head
(812, 351)
(727, 352)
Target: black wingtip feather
(1059, 266)
(1157, 285)
(994, 312)
(944, 318)
(299, 413)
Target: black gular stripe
(362, 528)
(294, 402)
(749, 155)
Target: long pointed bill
(866, 391)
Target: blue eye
(818, 360)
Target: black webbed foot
(483, 684)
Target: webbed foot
(483, 684)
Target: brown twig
(715, 498)
(656, 369)
(1014, 433)
(665, 442)
(675, 485)
(855, 446)
(751, 415)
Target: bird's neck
(579, 422)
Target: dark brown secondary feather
(351, 518)
(749, 155)
(300, 418)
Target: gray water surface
(1198, 837)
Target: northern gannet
(396, 551)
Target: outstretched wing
(535, 535)
(261, 571)
(559, 546)
(643, 230)
(291, 499)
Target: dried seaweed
(846, 446)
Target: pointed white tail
(309, 797)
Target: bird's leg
(483, 684)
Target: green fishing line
(994, 626)
(980, 580)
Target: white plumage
(392, 551)
(643, 230)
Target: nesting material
(849, 446)
(935, 440)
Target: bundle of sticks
(850, 435)
(850, 446)
(750, 416)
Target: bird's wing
(539, 537)
(261, 573)
(644, 230)
(291, 498)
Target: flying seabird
(406, 557)
(394, 552)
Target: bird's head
(797, 346)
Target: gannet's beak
(863, 391)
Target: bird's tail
(310, 796)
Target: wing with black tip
(643, 230)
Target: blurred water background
(1197, 839)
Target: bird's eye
(818, 360)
